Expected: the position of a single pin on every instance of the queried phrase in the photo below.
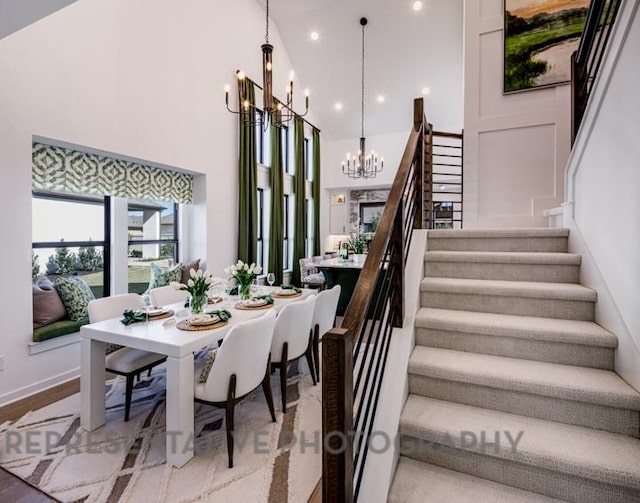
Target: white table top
(170, 340)
(336, 263)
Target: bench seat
(58, 328)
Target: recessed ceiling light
(417, 5)
(426, 91)
(443, 187)
(338, 106)
(380, 98)
(314, 35)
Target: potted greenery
(357, 243)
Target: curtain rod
(284, 106)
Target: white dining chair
(292, 340)
(324, 317)
(241, 365)
(127, 362)
(165, 295)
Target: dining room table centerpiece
(244, 274)
(197, 286)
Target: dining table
(160, 336)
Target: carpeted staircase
(512, 394)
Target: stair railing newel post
(337, 416)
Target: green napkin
(130, 316)
(223, 314)
(291, 287)
(267, 298)
(233, 290)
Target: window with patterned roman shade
(66, 170)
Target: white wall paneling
(516, 145)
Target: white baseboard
(34, 388)
(56, 342)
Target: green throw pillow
(75, 295)
(208, 363)
(161, 276)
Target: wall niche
(366, 203)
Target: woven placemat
(254, 308)
(162, 316)
(214, 300)
(281, 296)
(184, 325)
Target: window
(284, 139)
(259, 138)
(260, 240)
(152, 230)
(263, 142)
(71, 237)
(287, 223)
(308, 171)
(309, 236)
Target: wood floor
(17, 490)
(19, 408)
(13, 488)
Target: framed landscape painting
(539, 38)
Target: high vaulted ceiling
(405, 51)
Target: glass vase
(197, 303)
(245, 291)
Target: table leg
(180, 439)
(92, 384)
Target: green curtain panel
(276, 226)
(247, 185)
(299, 189)
(316, 191)
(67, 170)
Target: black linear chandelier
(273, 110)
(362, 165)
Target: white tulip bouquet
(244, 275)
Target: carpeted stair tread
(518, 233)
(417, 482)
(581, 384)
(524, 327)
(583, 452)
(529, 289)
(533, 258)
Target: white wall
(142, 79)
(389, 146)
(517, 145)
(602, 204)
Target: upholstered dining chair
(292, 340)
(324, 317)
(229, 373)
(309, 274)
(164, 295)
(127, 362)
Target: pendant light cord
(362, 100)
(266, 37)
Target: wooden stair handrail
(357, 307)
(338, 465)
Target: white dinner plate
(155, 310)
(203, 319)
(286, 292)
(254, 302)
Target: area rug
(125, 462)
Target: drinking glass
(271, 278)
